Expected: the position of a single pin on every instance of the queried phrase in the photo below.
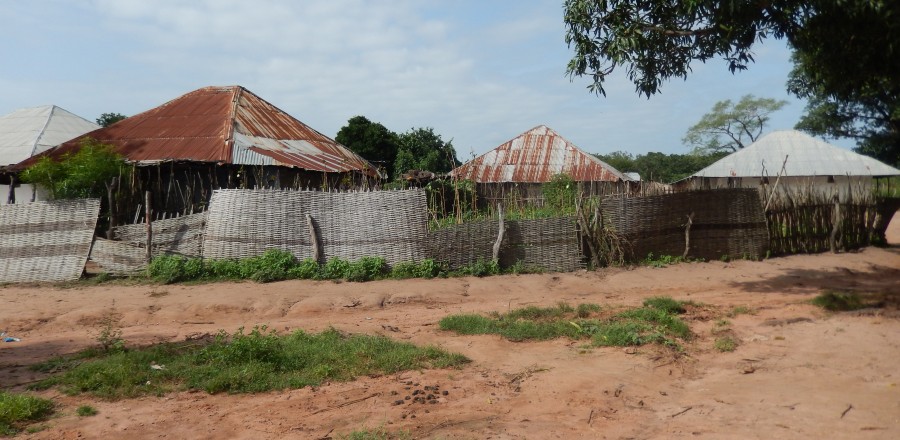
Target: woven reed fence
(728, 222)
(348, 225)
(126, 255)
(811, 227)
(548, 244)
(46, 241)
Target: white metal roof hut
(29, 131)
(801, 161)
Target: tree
(729, 127)
(660, 167)
(851, 91)
(107, 119)
(79, 175)
(847, 52)
(371, 140)
(423, 149)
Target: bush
(366, 269)
(17, 410)
(308, 269)
(335, 269)
(167, 269)
(665, 304)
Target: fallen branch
(681, 412)
(849, 407)
(349, 402)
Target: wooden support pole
(111, 189)
(314, 239)
(11, 198)
(502, 231)
(835, 225)
(687, 235)
(148, 215)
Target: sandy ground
(798, 373)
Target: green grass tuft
(86, 411)
(725, 344)
(18, 410)
(258, 361)
(839, 301)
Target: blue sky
(478, 72)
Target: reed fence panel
(727, 222)
(46, 241)
(349, 225)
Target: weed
(725, 344)
(334, 269)
(585, 310)
(258, 361)
(379, 433)
(740, 310)
(661, 261)
(366, 269)
(838, 301)
(109, 334)
(307, 269)
(665, 304)
(86, 411)
(480, 268)
(17, 410)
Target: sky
(478, 72)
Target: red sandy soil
(799, 372)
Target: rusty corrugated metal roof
(536, 156)
(228, 125)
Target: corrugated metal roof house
(535, 156)
(29, 131)
(224, 125)
(809, 164)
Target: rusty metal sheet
(536, 156)
(227, 125)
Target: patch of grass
(725, 344)
(632, 327)
(379, 433)
(740, 310)
(661, 260)
(665, 304)
(839, 301)
(258, 361)
(86, 411)
(18, 410)
(480, 268)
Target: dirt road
(798, 372)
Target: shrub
(167, 269)
(17, 410)
(334, 269)
(307, 269)
(838, 301)
(366, 269)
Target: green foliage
(86, 411)
(725, 344)
(307, 269)
(79, 175)
(845, 54)
(480, 268)
(661, 261)
(169, 269)
(729, 127)
(661, 167)
(17, 410)
(371, 140)
(107, 119)
(560, 193)
(740, 310)
(108, 333)
(839, 301)
(366, 269)
(425, 269)
(632, 327)
(334, 269)
(379, 433)
(423, 149)
(665, 304)
(258, 361)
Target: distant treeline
(660, 167)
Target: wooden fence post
(687, 235)
(148, 214)
(499, 234)
(111, 188)
(314, 239)
(11, 198)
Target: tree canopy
(729, 126)
(371, 140)
(846, 53)
(107, 119)
(423, 149)
(79, 175)
(660, 167)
